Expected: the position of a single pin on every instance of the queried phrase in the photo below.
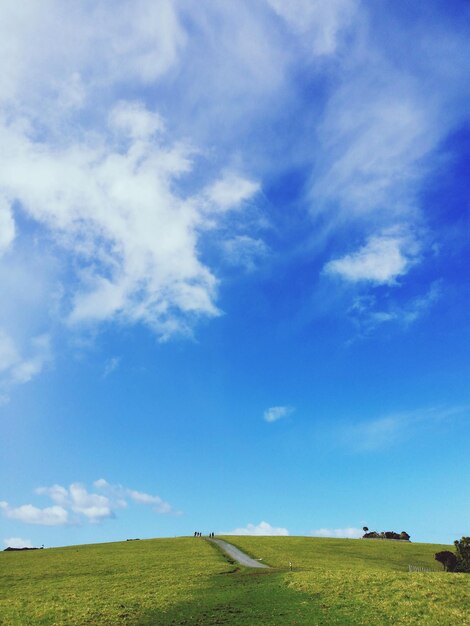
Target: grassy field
(189, 581)
(311, 553)
(367, 581)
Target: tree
(365, 529)
(462, 547)
(404, 536)
(448, 560)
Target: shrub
(371, 535)
(462, 547)
(448, 560)
(389, 534)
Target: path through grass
(367, 582)
(189, 581)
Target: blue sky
(234, 269)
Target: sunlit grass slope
(162, 582)
(317, 553)
(189, 581)
(367, 582)
(114, 583)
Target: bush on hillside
(371, 535)
(389, 534)
(462, 547)
(448, 560)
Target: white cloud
(345, 533)
(111, 365)
(122, 494)
(133, 41)
(376, 434)
(261, 529)
(379, 140)
(8, 352)
(244, 251)
(126, 201)
(134, 238)
(159, 505)
(377, 129)
(120, 204)
(381, 260)
(369, 315)
(7, 226)
(17, 368)
(94, 507)
(134, 120)
(277, 412)
(30, 367)
(230, 191)
(17, 542)
(322, 22)
(29, 514)
(382, 432)
(76, 504)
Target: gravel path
(237, 554)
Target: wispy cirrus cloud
(388, 430)
(322, 23)
(369, 313)
(111, 365)
(275, 413)
(339, 533)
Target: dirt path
(237, 554)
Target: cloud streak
(388, 430)
(275, 413)
(261, 529)
(339, 533)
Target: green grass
(116, 583)
(367, 582)
(189, 581)
(315, 553)
(161, 581)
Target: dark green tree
(448, 560)
(462, 548)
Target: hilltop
(190, 581)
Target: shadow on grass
(245, 597)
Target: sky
(234, 253)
